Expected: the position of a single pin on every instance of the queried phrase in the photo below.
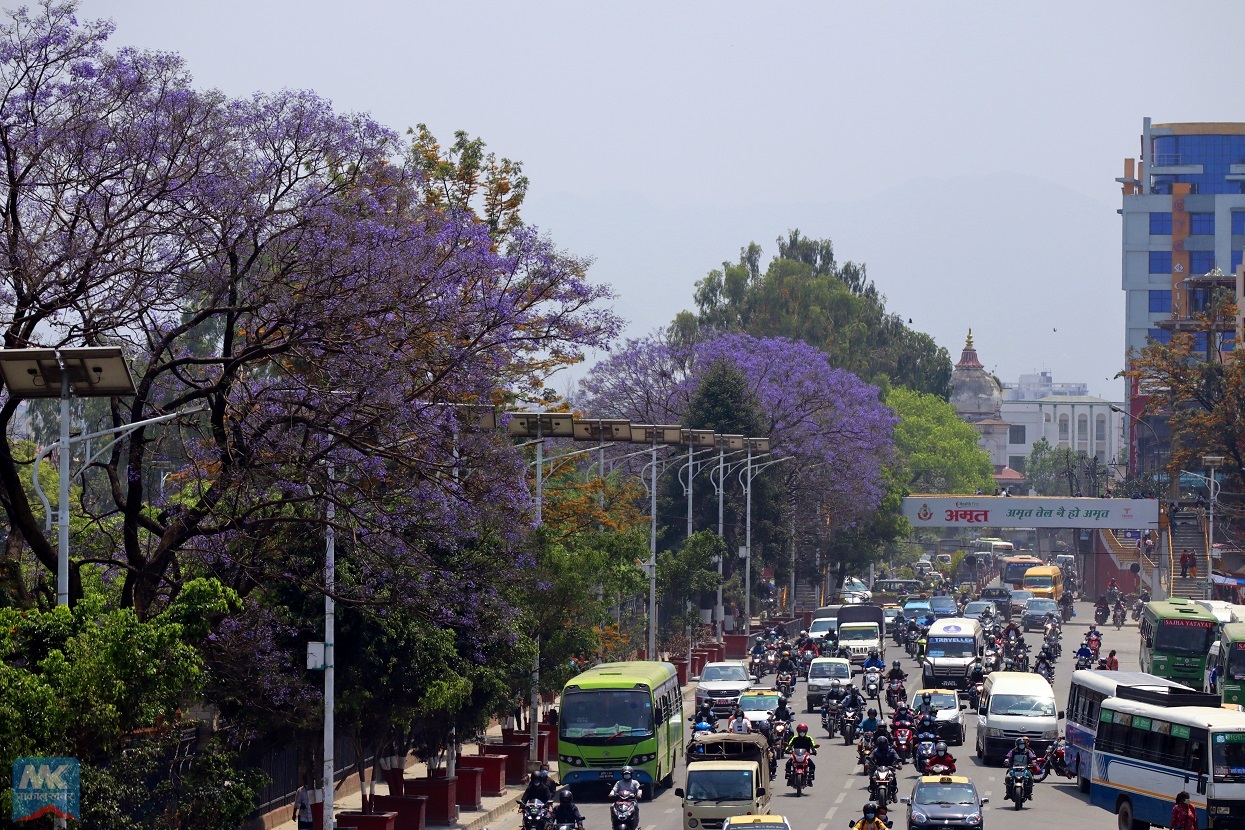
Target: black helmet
(873, 652)
(760, 639)
(926, 697)
(871, 808)
(895, 665)
(564, 795)
(881, 740)
(873, 713)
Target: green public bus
(619, 714)
(1175, 640)
(1232, 663)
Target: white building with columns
(1077, 422)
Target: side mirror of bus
(678, 792)
(1061, 713)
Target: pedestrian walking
(1186, 559)
(302, 809)
(1113, 662)
(1184, 816)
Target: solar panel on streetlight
(94, 372)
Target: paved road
(840, 790)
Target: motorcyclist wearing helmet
(539, 786)
(930, 619)
(786, 663)
(942, 757)
(873, 661)
(1022, 748)
(627, 787)
(836, 693)
(781, 712)
(896, 672)
(976, 674)
(926, 706)
(804, 643)
(870, 821)
(884, 754)
(566, 811)
(903, 716)
(758, 648)
(853, 699)
(870, 723)
(1044, 663)
(801, 740)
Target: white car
(722, 683)
(950, 714)
(855, 592)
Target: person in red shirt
(1184, 816)
(1113, 662)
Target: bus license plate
(948, 684)
(607, 776)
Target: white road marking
(839, 798)
(830, 814)
(670, 809)
(847, 783)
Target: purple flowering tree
(304, 280)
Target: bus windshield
(1228, 756)
(1184, 636)
(1014, 572)
(1235, 670)
(606, 716)
(1039, 581)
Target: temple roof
(968, 359)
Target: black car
(944, 801)
(944, 607)
(1002, 599)
(1036, 609)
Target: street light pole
(330, 621)
(1213, 462)
(652, 553)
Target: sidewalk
(491, 809)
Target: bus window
(1236, 662)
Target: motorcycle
(830, 717)
(797, 778)
(1094, 643)
(910, 643)
(924, 751)
(779, 734)
(785, 683)
(903, 742)
(974, 694)
(1055, 758)
(758, 667)
(848, 721)
(623, 813)
(535, 815)
(863, 747)
(939, 769)
(806, 660)
(883, 788)
(895, 693)
(1117, 617)
(990, 660)
(1083, 662)
(1100, 614)
(872, 684)
(1016, 780)
(1045, 670)
(1138, 607)
(1065, 611)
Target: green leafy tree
(938, 450)
(683, 574)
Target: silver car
(949, 714)
(722, 684)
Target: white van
(1015, 705)
(951, 647)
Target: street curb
(497, 812)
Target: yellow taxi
(762, 822)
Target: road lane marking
(822, 826)
(831, 813)
(847, 783)
(839, 798)
(670, 809)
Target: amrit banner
(1030, 511)
(45, 787)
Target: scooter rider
(1043, 664)
(903, 716)
(758, 648)
(976, 674)
(628, 787)
(566, 812)
(1022, 748)
(801, 740)
(943, 757)
(874, 662)
(539, 786)
(804, 643)
(1084, 652)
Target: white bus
(1146, 753)
(1087, 692)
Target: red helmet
(802, 728)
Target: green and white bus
(1175, 639)
(619, 714)
(1231, 660)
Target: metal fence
(280, 763)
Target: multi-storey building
(1183, 230)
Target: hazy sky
(965, 151)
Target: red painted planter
(368, 821)
(492, 769)
(680, 666)
(736, 646)
(516, 760)
(410, 809)
(317, 815)
(393, 778)
(698, 663)
(467, 791)
(442, 805)
(551, 741)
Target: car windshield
(857, 634)
(911, 608)
(943, 603)
(820, 626)
(719, 785)
(995, 593)
(733, 672)
(950, 647)
(941, 700)
(1228, 756)
(1236, 662)
(977, 607)
(606, 716)
(1039, 581)
(1021, 596)
(1184, 636)
(758, 703)
(945, 794)
(1022, 705)
(1041, 606)
(839, 670)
